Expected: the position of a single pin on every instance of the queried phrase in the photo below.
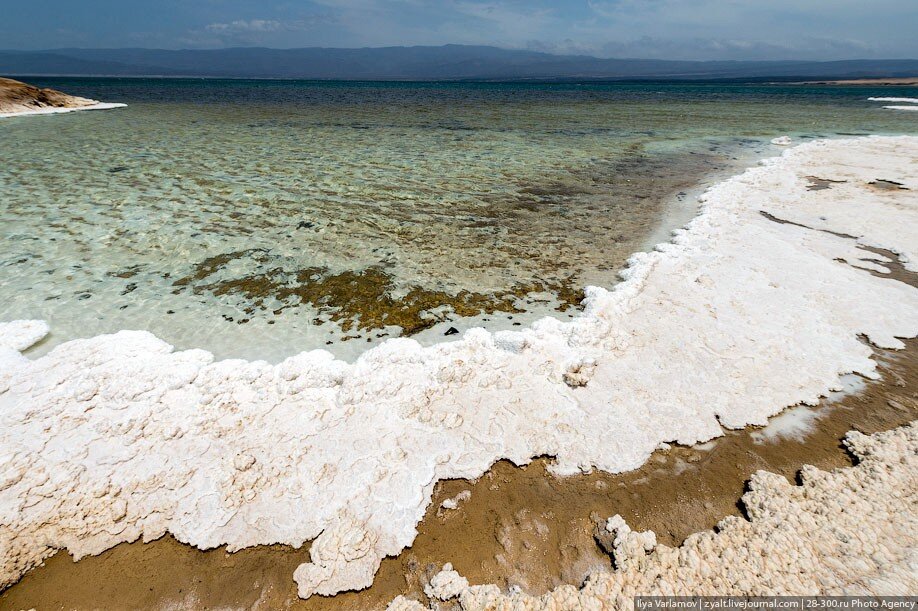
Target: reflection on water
(259, 219)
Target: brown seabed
(519, 527)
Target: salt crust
(446, 584)
(453, 503)
(117, 437)
(851, 531)
(56, 110)
(21, 334)
(909, 100)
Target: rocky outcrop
(18, 98)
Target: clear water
(260, 218)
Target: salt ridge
(59, 110)
(847, 532)
(117, 437)
(909, 100)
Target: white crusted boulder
(446, 584)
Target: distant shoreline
(568, 81)
(890, 82)
(413, 63)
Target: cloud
(254, 25)
(241, 32)
(259, 26)
(735, 49)
(611, 9)
(567, 46)
(677, 29)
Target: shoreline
(889, 82)
(57, 111)
(243, 309)
(562, 407)
(838, 532)
(514, 526)
(19, 99)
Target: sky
(663, 29)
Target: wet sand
(518, 527)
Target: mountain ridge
(446, 62)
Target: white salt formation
(898, 107)
(57, 111)
(117, 437)
(446, 584)
(909, 100)
(21, 334)
(848, 532)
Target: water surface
(260, 218)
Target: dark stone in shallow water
(452, 331)
(305, 225)
(118, 168)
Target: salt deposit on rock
(58, 111)
(18, 99)
(117, 437)
(849, 532)
(453, 503)
(446, 584)
(782, 141)
(20, 334)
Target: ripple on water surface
(260, 229)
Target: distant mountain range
(449, 62)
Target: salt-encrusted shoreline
(20, 99)
(112, 438)
(57, 111)
(851, 531)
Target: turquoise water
(262, 218)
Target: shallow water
(257, 219)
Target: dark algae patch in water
(357, 300)
(364, 206)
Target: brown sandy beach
(516, 526)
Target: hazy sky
(677, 29)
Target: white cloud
(254, 25)
(267, 32)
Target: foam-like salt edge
(901, 107)
(908, 100)
(58, 110)
(116, 437)
(848, 532)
